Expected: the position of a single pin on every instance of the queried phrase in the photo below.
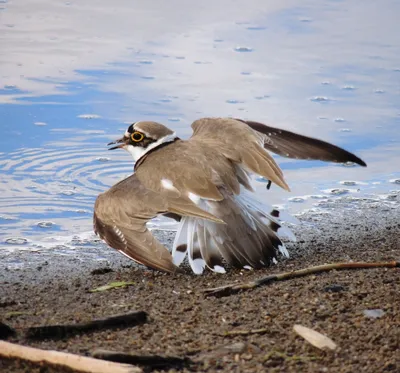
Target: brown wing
(188, 167)
(291, 145)
(237, 142)
(120, 217)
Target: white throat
(138, 151)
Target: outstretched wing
(236, 141)
(120, 217)
(292, 145)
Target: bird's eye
(137, 136)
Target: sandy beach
(250, 331)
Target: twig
(149, 361)
(62, 331)
(235, 288)
(76, 362)
(246, 332)
(281, 355)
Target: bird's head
(141, 137)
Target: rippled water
(73, 75)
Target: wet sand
(182, 322)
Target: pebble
(374, 313)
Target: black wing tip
(361, 163)
(354, 159)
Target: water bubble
(40, 124)
(218, 40)
(326, 83)
(45, 224)
(256, 28)
(174, 119)
(146, 62)
(348, 182)
(348, 88)
(262, 97)
(68, 192)
(338, 191)
(320, 99)
(16, 241)
(234, 102)
(89, 116)
(317, 196)
(82, 211)
(243, 49)
(339, 120)
(345, 130)
(103, 159)
(379, 91)
(147, 77)
(296, 199)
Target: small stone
(334, 288)
(6, 331)
(101, 271)
(374, 313)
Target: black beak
(122, 142)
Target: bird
(204, 183)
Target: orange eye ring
(137, 136)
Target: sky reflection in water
(72, 76)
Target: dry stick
(79, 363)
(149, 361)
(246, 332)
(235, 288)
(62, 331)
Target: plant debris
(112, 285)
(230, 289)
(315, 338)
(63, 331)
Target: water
(73, 75)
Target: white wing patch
(194, 198)
(168, 184)
(120, 235)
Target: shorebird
(204, 183)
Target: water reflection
(74, 75)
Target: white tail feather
(196, 262)
(180, 239)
